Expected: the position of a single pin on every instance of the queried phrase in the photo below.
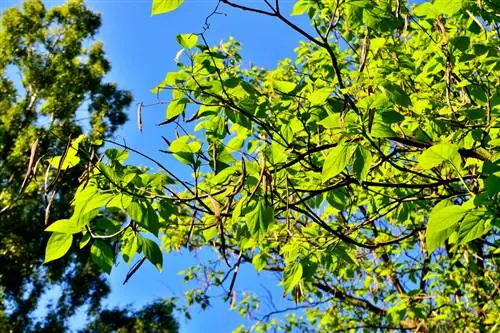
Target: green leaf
(152, 252)
(136, 211)
(396, 94)
(426, 9)
(461, 43)
(448, 7)
(260, 218)
(175, 108)
(64, 227)
(259, 261)
(57, 246)
(70, 160)
(150, 220)
(318, 97)
(129, 248)
(362, 163)
(391, 117)
(184, 150)
(85, 240)
(101, 253)
(474, 225)
(382, 130)
(164, 6)
(438, 154)
(284, 86)
(292, 276)
(443, 220)
(187, 41)
(332, 121)
(337, 160)
(301, 7)
(120, 201)
(118, 155)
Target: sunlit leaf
(57, 246)
(164, 6)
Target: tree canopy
(52, 89)
(364, 171)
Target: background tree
(156, 317)
(52, 88)
(364, 172)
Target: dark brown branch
(358, 302)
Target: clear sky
(141, 49)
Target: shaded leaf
(152, 252)
(102, 254)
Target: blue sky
(141, 49)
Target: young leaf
(136, 211)
(284, 86)
(260, 218)
(439, 153)
(129, 248)
(337, 160)
(442, 222)
(164, 6)
(175, 108)
(318, 97)
(382, 130)
(102, 254)
(292, 276)
(448, 7)
(150, 220)
(475, 224)
(152, 252)
(64, 227)
(396, 95)
(362, 163)
(187, 40)
(57, 246)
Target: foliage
(156, 317)
(365, 172)
(52, 87)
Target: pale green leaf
(57, 246)
(129, 248)
(64, 227)
(292, 276)
(301, 7)
(175, 108)
(448, 7)
(164, 6)
(284, 86)
(187, 40)
(438, 154)
(259, 219)
(382, 130)
(474, 225)
(443, 220)
(318, 97)
(337, 160)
